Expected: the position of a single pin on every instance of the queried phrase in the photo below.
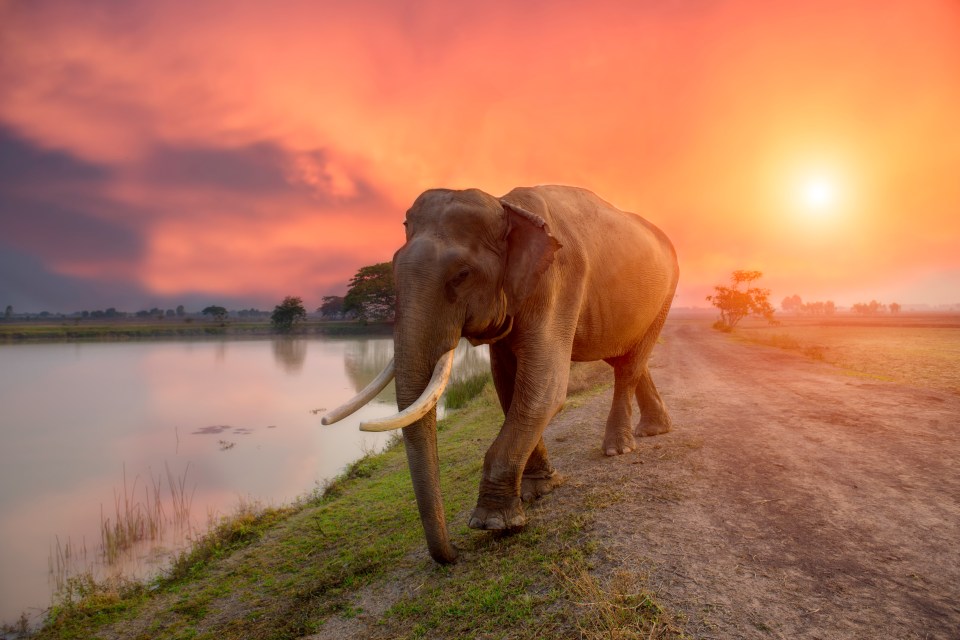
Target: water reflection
(235, 418)
(290, 353)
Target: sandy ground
(791, 500)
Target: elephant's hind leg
(654, 418)
(539, 477)
(618, 435)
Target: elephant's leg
(654, 418)
(618, 435)
(539, 476)
(519, 446)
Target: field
(150, 328)
(920, 349)
(794, 498)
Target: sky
(234, 152)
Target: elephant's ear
(530, 250)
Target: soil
(792, 499)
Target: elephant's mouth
(492, 334)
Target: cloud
(236, 142)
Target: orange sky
(244, 151)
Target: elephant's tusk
(369, 393)
(427, 400)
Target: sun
(818, 195)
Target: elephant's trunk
(420, 442)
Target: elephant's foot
(648, 428)
(488, 516)
(536, 485)
(618, 444)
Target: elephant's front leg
(519, 448)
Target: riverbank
(80, 330)
(793, 498)
(336, 555)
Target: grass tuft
(460, 392)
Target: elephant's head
(468, 264)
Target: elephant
(545, 275)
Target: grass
(355, 548)
(460, 392)
(135, 328)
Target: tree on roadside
(736, 302)
(372, 294)
(219, 313)
(288, 313)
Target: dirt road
(791, 500)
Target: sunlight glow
(819, 195)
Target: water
(83, 425)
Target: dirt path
(791, 500)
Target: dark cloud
(255, 168)
(23, 164)
(29, 286)
(49, 206)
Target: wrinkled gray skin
(545, 275)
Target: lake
(164, 437)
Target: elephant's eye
(462, 275)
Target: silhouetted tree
(736, 303)
(219, 313)
(8, 313)
(332, 307)
(372, 294)
(895, 307)
(287, 313)
(181, 311)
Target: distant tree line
(794, 304)
(874, 307)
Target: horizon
(228, 154)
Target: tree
(332, 307)
(219, 313)
(372, 294)
(869, 308)
(895, 307)
(181, 311)
(792, 303)
(287, 313)
(8, 313)
(736, 303)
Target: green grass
(131, 329)
(460, 392)
(284, 573)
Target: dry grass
(617, 611)
(921, 355)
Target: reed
(136, 520)
(63, 561)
